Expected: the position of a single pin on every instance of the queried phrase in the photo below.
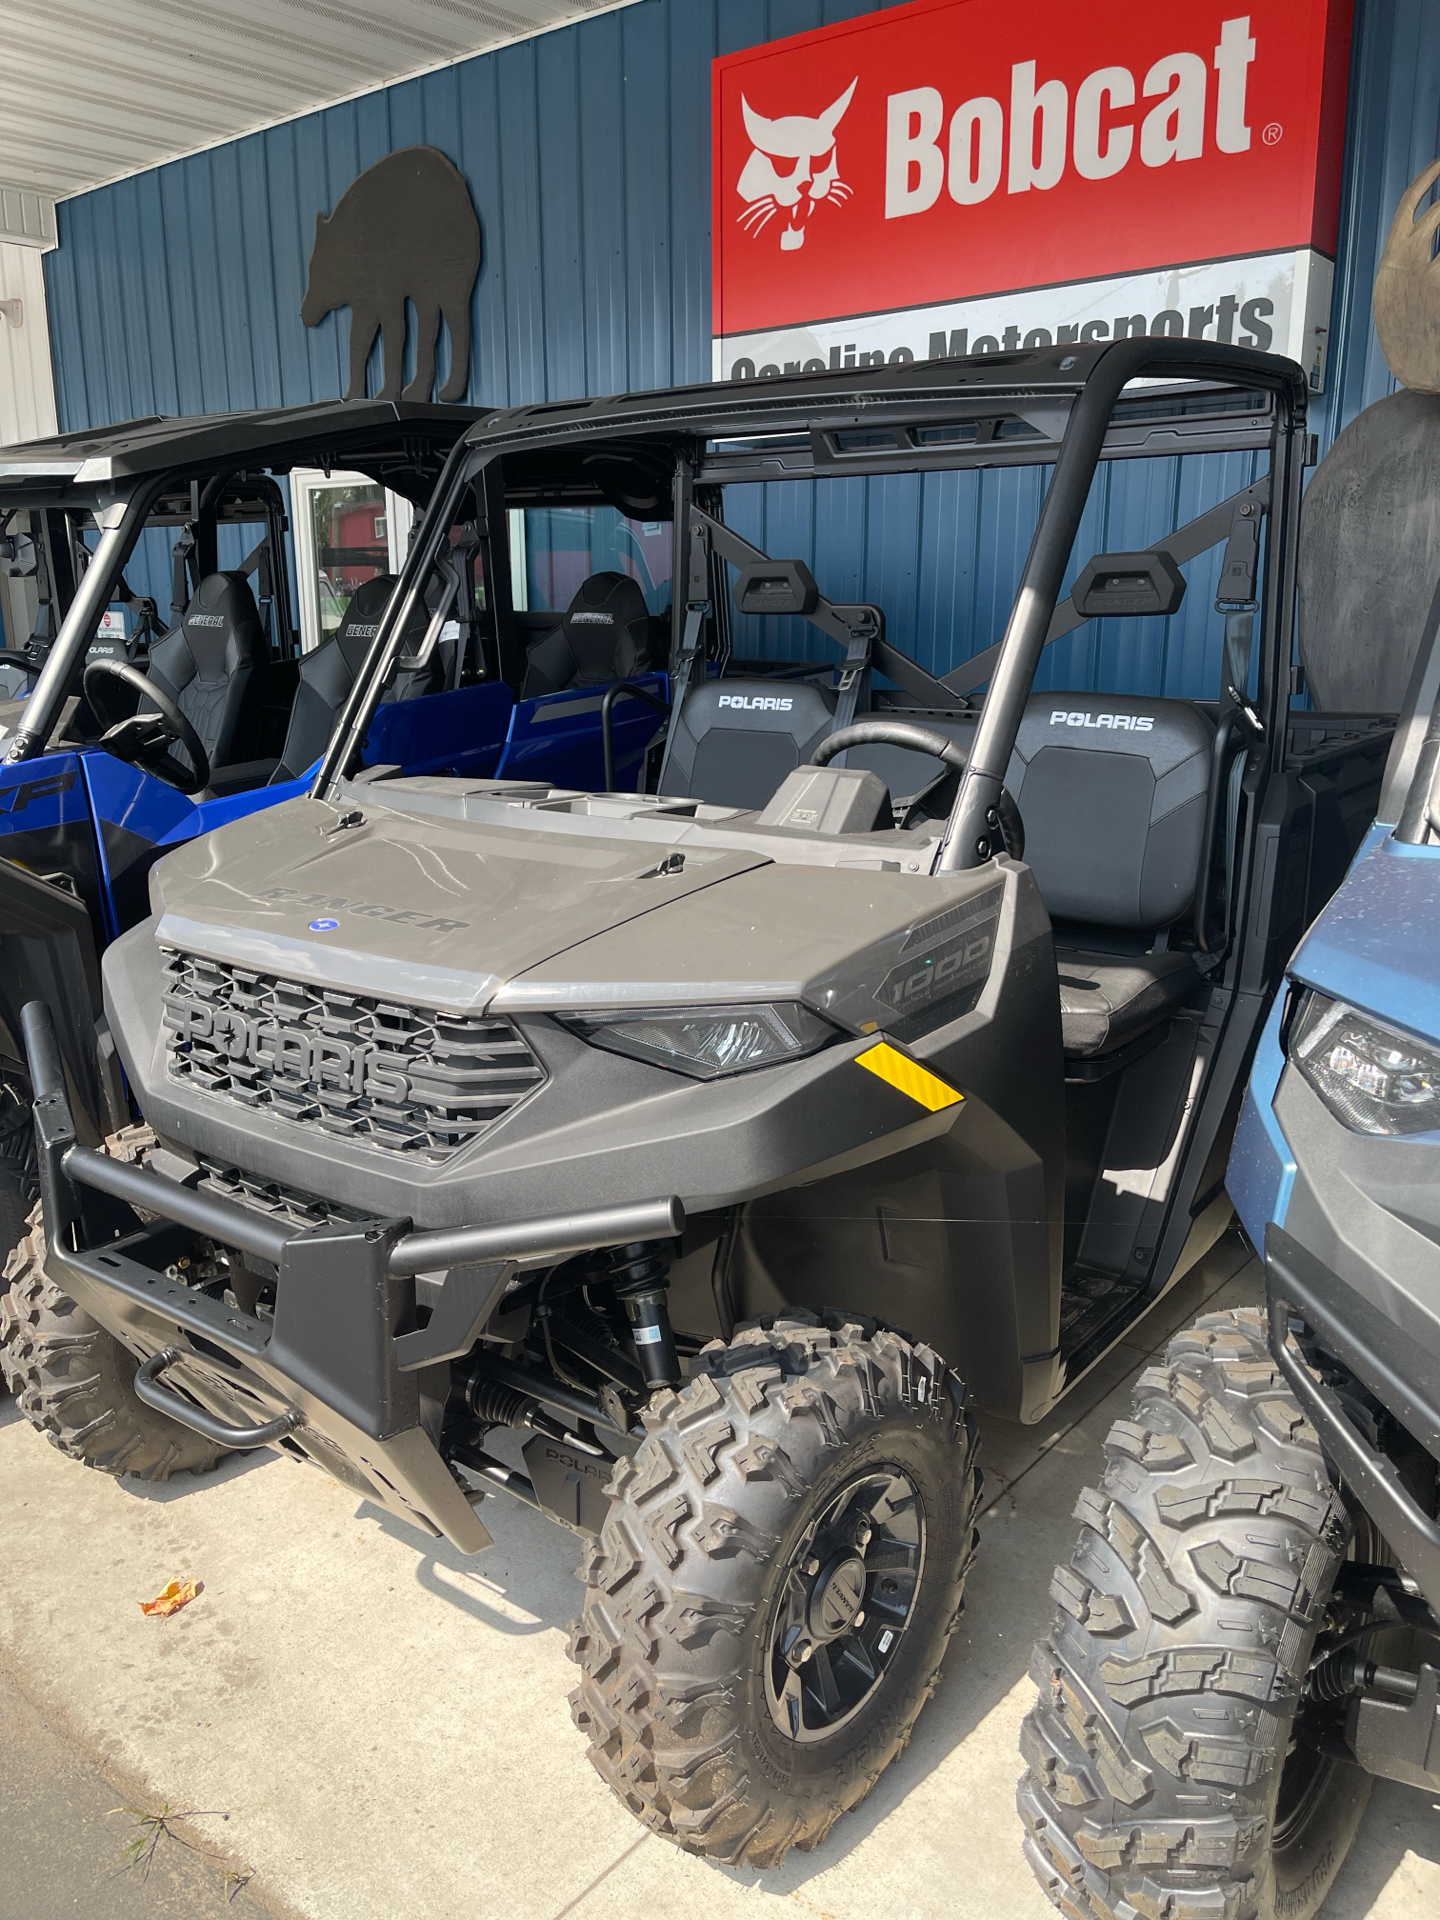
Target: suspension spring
(640, 1276)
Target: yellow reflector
(908, 1076)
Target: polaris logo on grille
(297, 1054)
(757, 702)
(1129, 722)
(400, 1078)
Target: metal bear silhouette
(405, 228)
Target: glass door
(348, 530)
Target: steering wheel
(141, 739)
(1004, 815)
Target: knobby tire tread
(1179, 1647)
(73, 1380)
(675, 1583)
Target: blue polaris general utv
(1248, 1634)
(124, 734)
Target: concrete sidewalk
(385, 1724)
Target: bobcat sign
(973, 176)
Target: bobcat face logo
(792, 169)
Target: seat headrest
(734, 741)
(1113, 789)
(608, 627)
(222, 610)
(360, 621)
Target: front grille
(402, 1078)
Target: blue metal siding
(587, 151)
(942, 554)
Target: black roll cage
(804, 427)
(184, 468)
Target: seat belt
(867, 628)
(464, 554)
(146, 616)
(699, 605)
(691, 648)
(182, 581)
(1235, 601)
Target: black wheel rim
(1303, 1779)
(842, 1608)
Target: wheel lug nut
(812, 1565)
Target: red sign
(951, 151)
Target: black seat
(603, 635)
(328, 673)
(211, 664)
(1113, 793)
(734, 741)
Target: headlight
(1372, 1077)
(707, 1042)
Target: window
(563, 545)
(348, 530)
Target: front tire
(74, 1381)
(1163, 1777)
(775, 1585)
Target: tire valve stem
(640, 1275)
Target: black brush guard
(338, 1369)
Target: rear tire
(1160, 1780)
(74, 1381)
(806, 1470)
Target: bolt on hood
(420, 910)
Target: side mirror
(776, 586)
(1128, 583)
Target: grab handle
(607, 724)
(148, 1388)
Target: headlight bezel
(794, 1031)
(1363, 1069)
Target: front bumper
(342, 1367)
(1403, 1375)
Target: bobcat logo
(793, 168)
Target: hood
(424, 911)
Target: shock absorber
(640, 1275)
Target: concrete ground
(384, 1722)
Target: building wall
(587, 151)
(27, 391)
(588, 156)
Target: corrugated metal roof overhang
(91, 91)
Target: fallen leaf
(178, 1594)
